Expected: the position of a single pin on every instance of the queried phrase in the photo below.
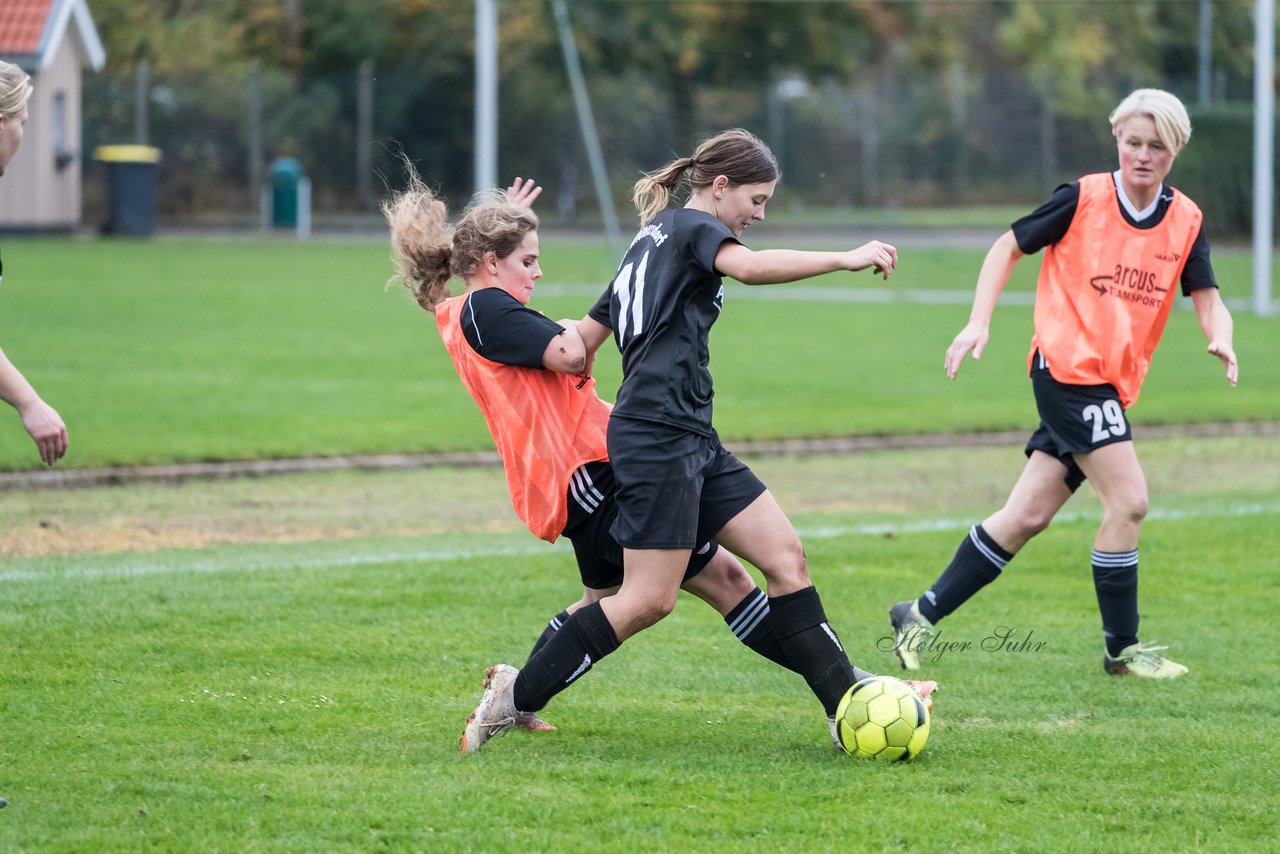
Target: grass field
(308, 695)
(284, 664)
(185, 349)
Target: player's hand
(1228, 356)
(880, 257)
(46, 429)
(523, 193)
(972, 337)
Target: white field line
(206, 563)
(809, 293)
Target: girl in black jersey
(673, 474)
(41, 421)
(533, 364)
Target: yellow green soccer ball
(882, 718)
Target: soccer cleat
(533, 723)
(496, 713)
(835, 736)
(924, 689)
(1145, 662)
(911, 631)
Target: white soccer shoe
(497, 711)
(1144, 662)
(911, 633)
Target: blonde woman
(40, 420)
(1118, 245)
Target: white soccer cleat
(497, 711)
(911, 631)
(1144, 662)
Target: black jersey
(661, 304)
(502, 330)
(1048, 223)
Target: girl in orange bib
(1117, 247)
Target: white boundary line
(235, 560)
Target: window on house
(62, 153)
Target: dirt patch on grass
(197, 506)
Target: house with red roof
(54, 41)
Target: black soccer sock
(553, 625)
(750, 623)
(976, 564)
(585, 638)
(812, 645)
(1115, 580)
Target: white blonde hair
(15, 89)
(1173, 125)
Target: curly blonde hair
(428, 251)
(739, 155)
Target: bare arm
(594, 334)
(1218, 327)
(992, 278)
(776, 266)
(41, 420)
(565, 353)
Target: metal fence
(896, 140)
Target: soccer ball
(882, 718)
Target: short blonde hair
(15, 89)
(1173, 125)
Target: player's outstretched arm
(778, 266)
(1218, 327)
(993, 276)
(41, 421)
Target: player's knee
(653, 612)
(726, 573)
(1031, 521)
(791, 564)
(1132, 509)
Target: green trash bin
(286, 176)
(131, 188)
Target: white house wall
(34, 193)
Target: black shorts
(675, 488)
(598, 553)
(1075, 419)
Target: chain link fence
(894, 141)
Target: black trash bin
(131, 188)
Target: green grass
(183, 349)
(308, 696)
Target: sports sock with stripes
(553, 626)
(976, 564)
(750, 623)
(585, 638)
(812, 645)
(1115, 580)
